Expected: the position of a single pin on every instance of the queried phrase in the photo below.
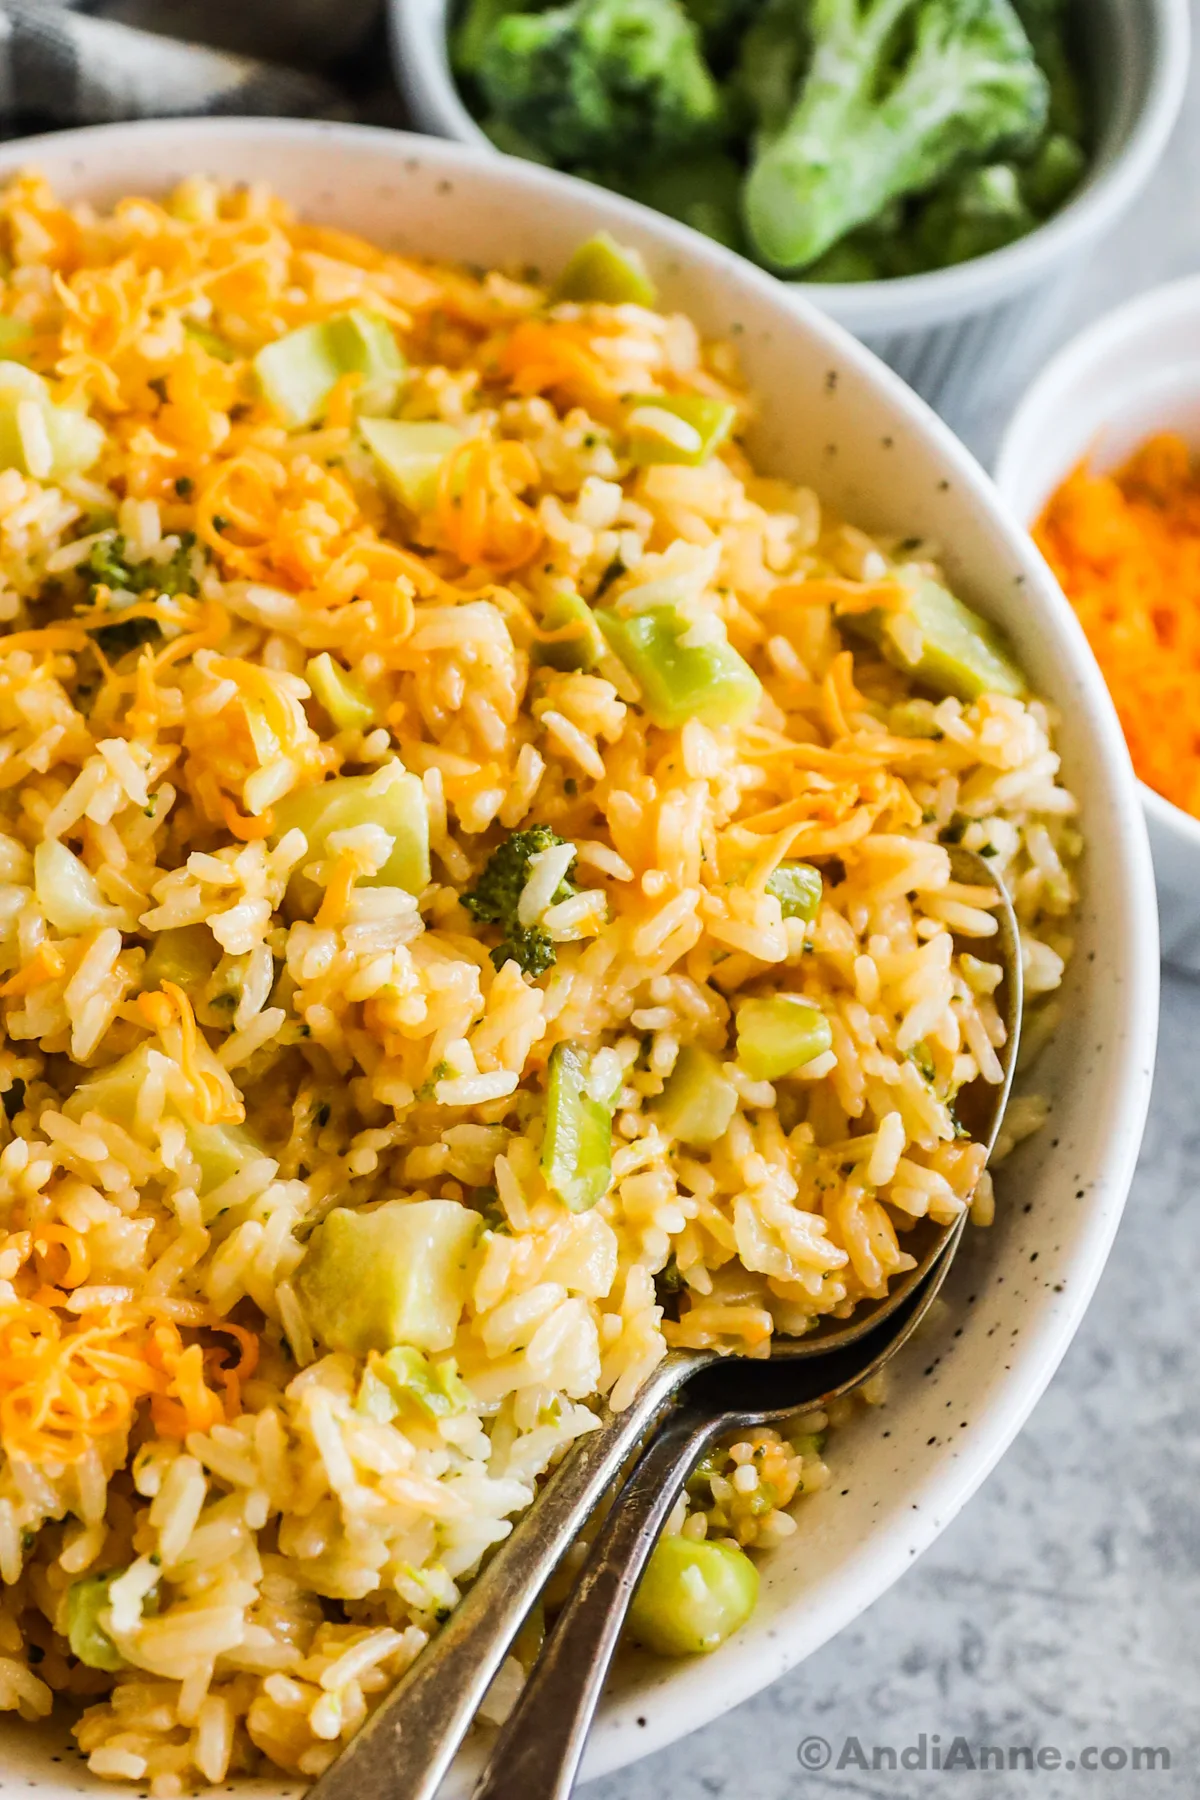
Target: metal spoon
(406, 1747)
(537, 1755)
(539, 1749)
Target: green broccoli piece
(1051, 176)
(118, 640)
(513, 144)
(474, 26)
(898, 93)
(774, 55)
(109, 564)
(1045, 22)
(720, 24)
(849, 260)
(493, 900)
(979, 212)
(614, 83)
(702, 191)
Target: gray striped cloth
(85, 62)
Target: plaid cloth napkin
(84, 62)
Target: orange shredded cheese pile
(1126, 548)
(66, 1384)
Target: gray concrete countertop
(1062, 1609)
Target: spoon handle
(538, 1751)
(406, 1747)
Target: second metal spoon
(539, 1750)
(406, 1747)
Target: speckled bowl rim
(653, 1705)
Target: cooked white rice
(169, 1413)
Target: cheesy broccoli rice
(474, 913)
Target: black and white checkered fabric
(100, 60)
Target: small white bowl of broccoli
(916, 164)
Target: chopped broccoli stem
(698, 1099)
(495, 898)
(798, 887)
(779, 1035)
(219, 1151)
(707, 681)
(583, 648)
(340, 693)
(945, 645)
(703, 426)
(87, 1598)
(74, 440)
(410, 454)
(298, 372)
(692, 1596)
(405, 1376)
(391, 797)
(577, 1148)
(396, 1275)
(606, 273)
(186, 955)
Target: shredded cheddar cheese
(67, 1384)
(479, 515)
(1126, 548)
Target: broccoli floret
(774, 54)
(898, 93)
(513, 144)
(1046, 24)
(849, 260)
(494, 898)
(703, 191)
(475, 24)
(118, 640)
(109, 564)
(883, 250)
(980, 211)
(1051, 177)
(611, 83)
(720, 24)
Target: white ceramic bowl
(956, 335)
(1134, 373)
(834, 416)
